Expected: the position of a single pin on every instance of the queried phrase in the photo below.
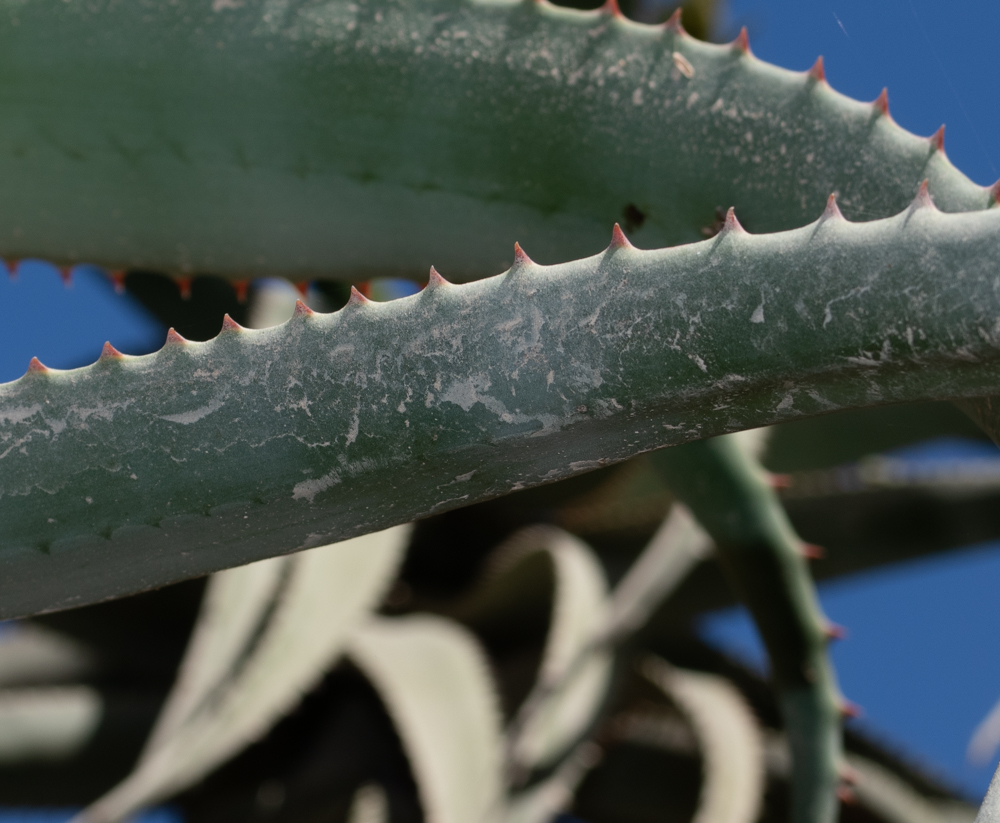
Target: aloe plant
(352, 140)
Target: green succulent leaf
(135, 472)
(351, 139)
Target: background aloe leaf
(329, 590)
(264, 442)
(233, 611)
(435, 683)
(676, 547)
(586, 623)
(543, 801)
(730, 738)
(379, 140)
(568, 689)
(370, 805)
(33, 655)
(47, 723)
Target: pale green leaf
(370, 805)
(435, 683)
(730, 739)
(232, 612)
(542, 802)
(574, 673)
(329, 590)
(676, 547)
(48, 723)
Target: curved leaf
(435, 683)
(232, 612)
(729, 735)
(329, 590)
(574, 673)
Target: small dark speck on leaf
(634, 218)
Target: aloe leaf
(895, 801)
(264, 442)
(232, 612)
(435, 683)
(47, 723)
(32, 655)
(329, 590)
(989, 811)
(349, 139)
(728, 492)
(729, 735)
(676, 547)
(574, 674)
(370, 805)
(542, 802)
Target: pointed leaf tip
(811, 551)
(228, 324)
(732, 224)
(435, 280)
(117, 279)
(66, 273)
(184, 287)
(173, 337)
(818, 72)
(995, 192)
(520, 256)
(937, 139)
(302, 310)
(357, 298)
(834, 632)
(37, 366)
(852, 710)
(742, 41)
(110, 351)
(832, 210)
(674, 24)
(618, 239)
(923, 198)
(881, 103)
(12, 266)
(240, 289)
(612, 8)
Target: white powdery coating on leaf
(19, 414)
(308, 489)
(193, 416)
